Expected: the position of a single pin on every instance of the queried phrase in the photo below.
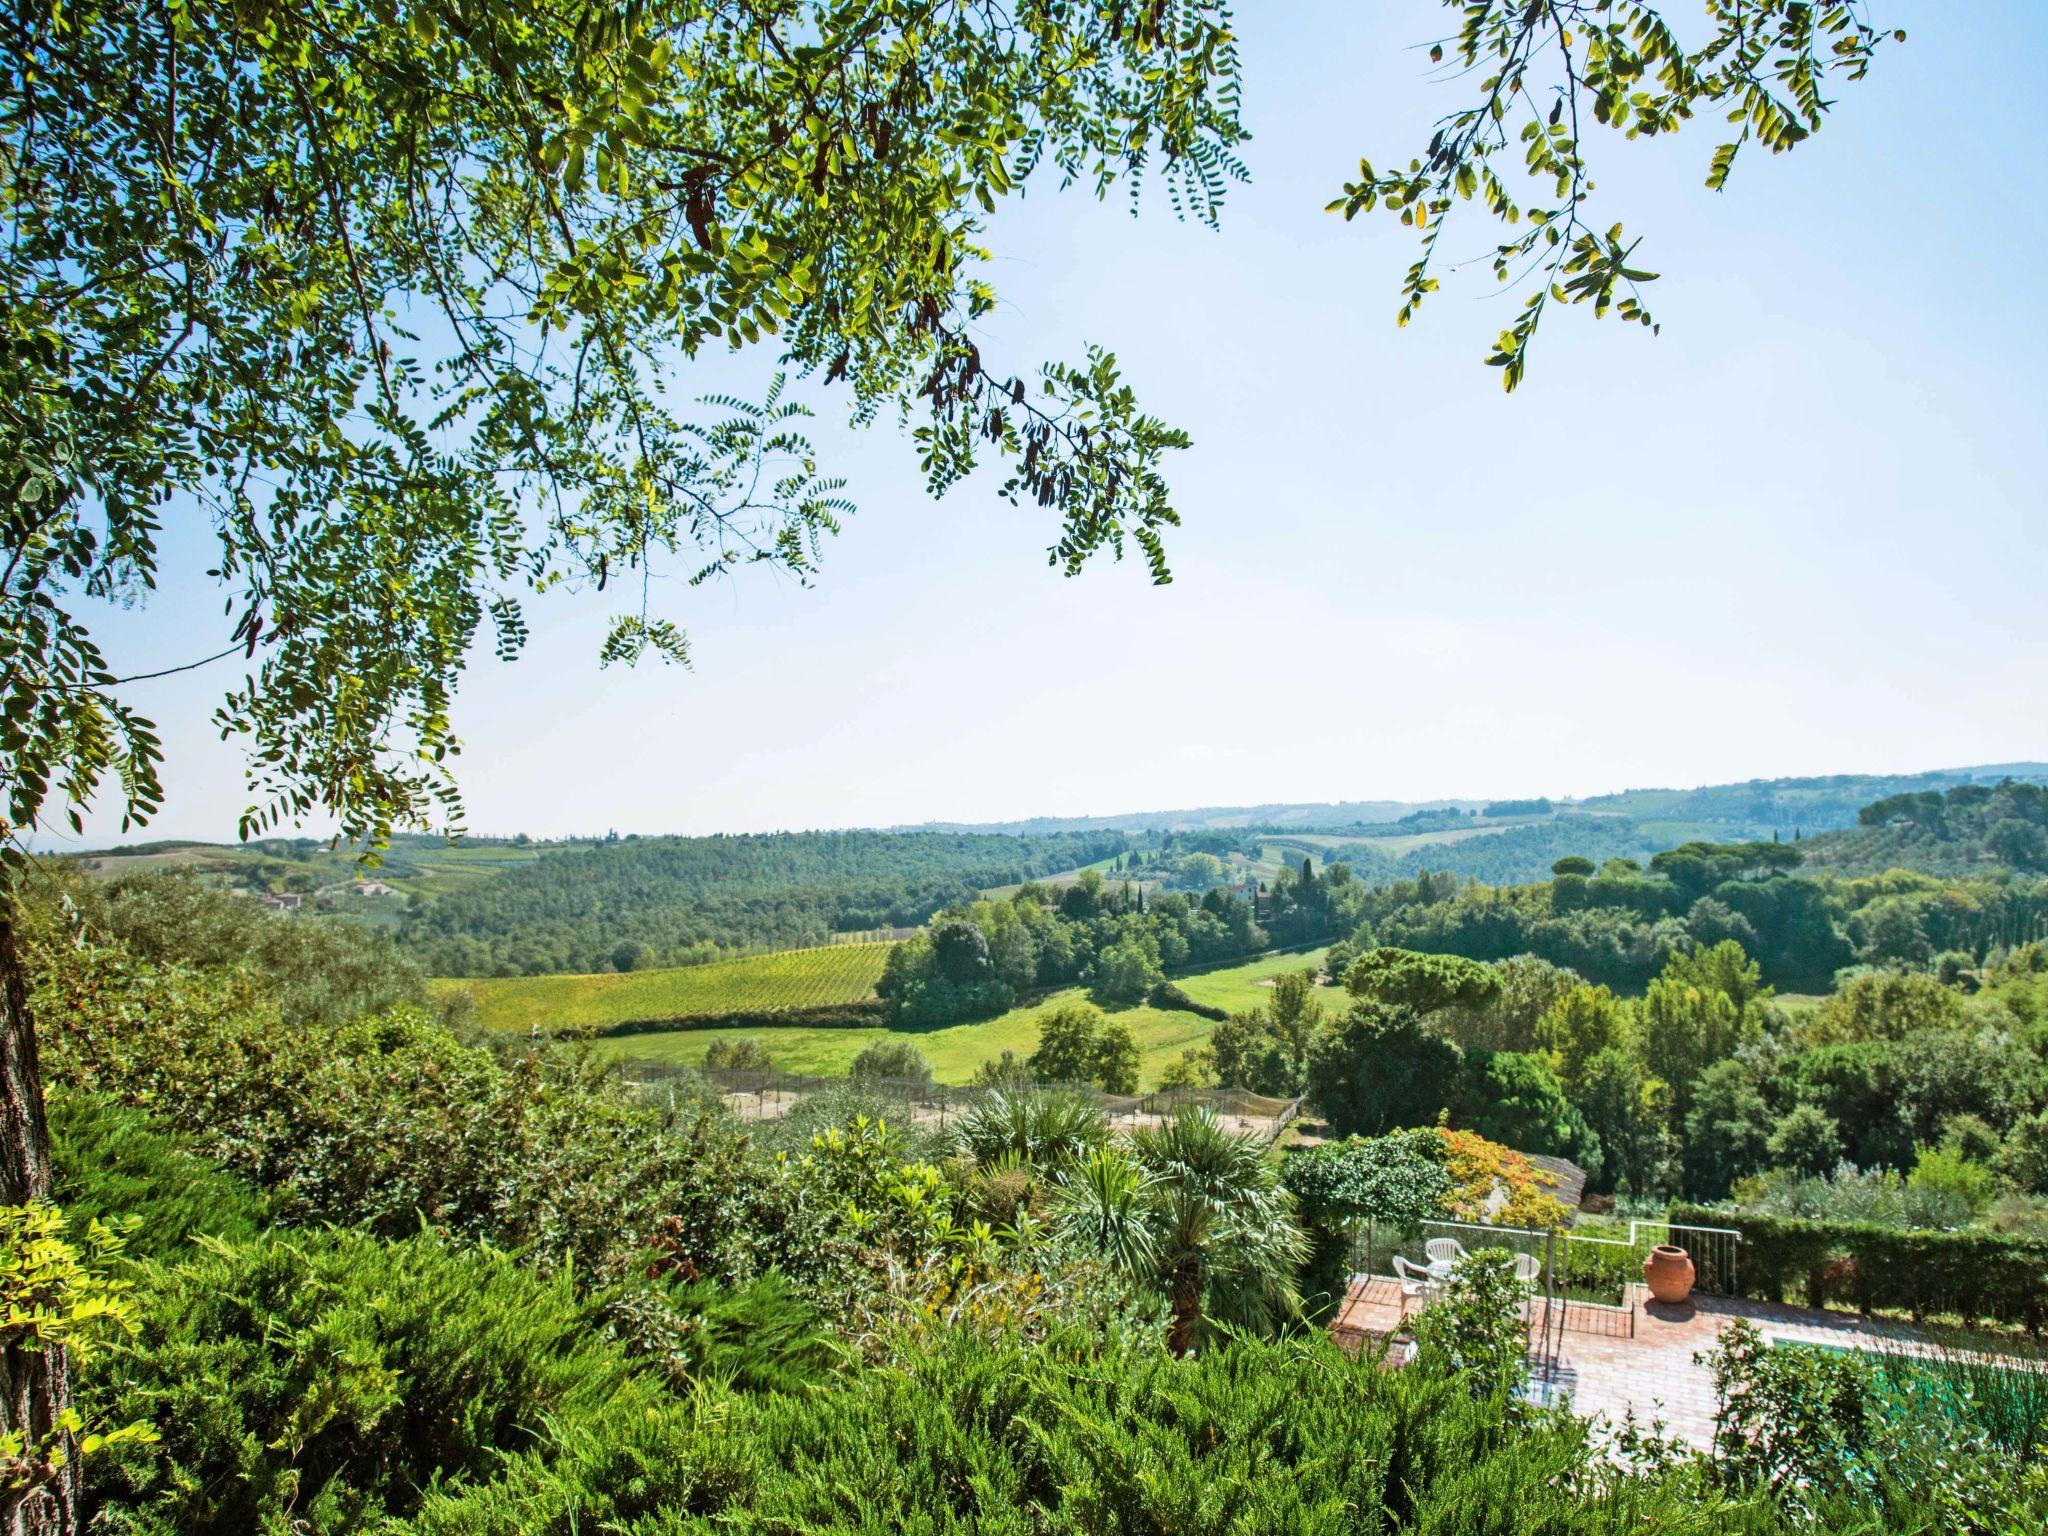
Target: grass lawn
(956, 1050)
(1238, 987)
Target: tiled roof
(1571, 1178)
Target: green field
(788, 979)
(956, 1050)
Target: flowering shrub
(1429, 1173)
(56, 1294)
(1498, 1185)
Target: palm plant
(1106, 1206)
(1197, 1210)
(1049, 1128)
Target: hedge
(864, 1015)
(1167, 995)
(1971, 1274)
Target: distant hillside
(1732, 812)
(1761, 807)
(1334, 813)
(1498, 855)
(518, 907)
(653, 901)
(1967, 830)
(1510, 841)
(415, 864)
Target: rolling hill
(500, 907)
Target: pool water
(2007, 1402)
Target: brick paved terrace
(1638, 1357)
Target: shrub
(1785, 1415)
(1875, 1196)
(976, 1435)
(1399, 1180)
(746, 1054)
(391, 1123)
(1922, 1441)
(1048, 1127)
(1194, 1067)
(1167, 995)
(110, 1161)
(1476, 1327)
(891, 1059)
(332, 1380)
(1945, 1175)
(322, 971)
(1969, 1274)
(1009, 1070)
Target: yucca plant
(1051, 1128)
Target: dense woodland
(980, 958)
(1619, 923)
(629, 903)
(634, 902)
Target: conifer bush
(973, 1434)
(328, 1381)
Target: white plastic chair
(1417, 1283)
(1443, 1253)
(1528, 1269)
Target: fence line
(769, 1093)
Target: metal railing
(1715, 1251)
(1585, 1283)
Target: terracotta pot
(1669, 1274)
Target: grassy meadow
(795, 978)
(957, 1049)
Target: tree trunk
(1184, 1298)
(35, 1385)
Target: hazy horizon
(150, 835)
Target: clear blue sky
(1800, 532)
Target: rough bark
(35, 1386)
(1184, 1299)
